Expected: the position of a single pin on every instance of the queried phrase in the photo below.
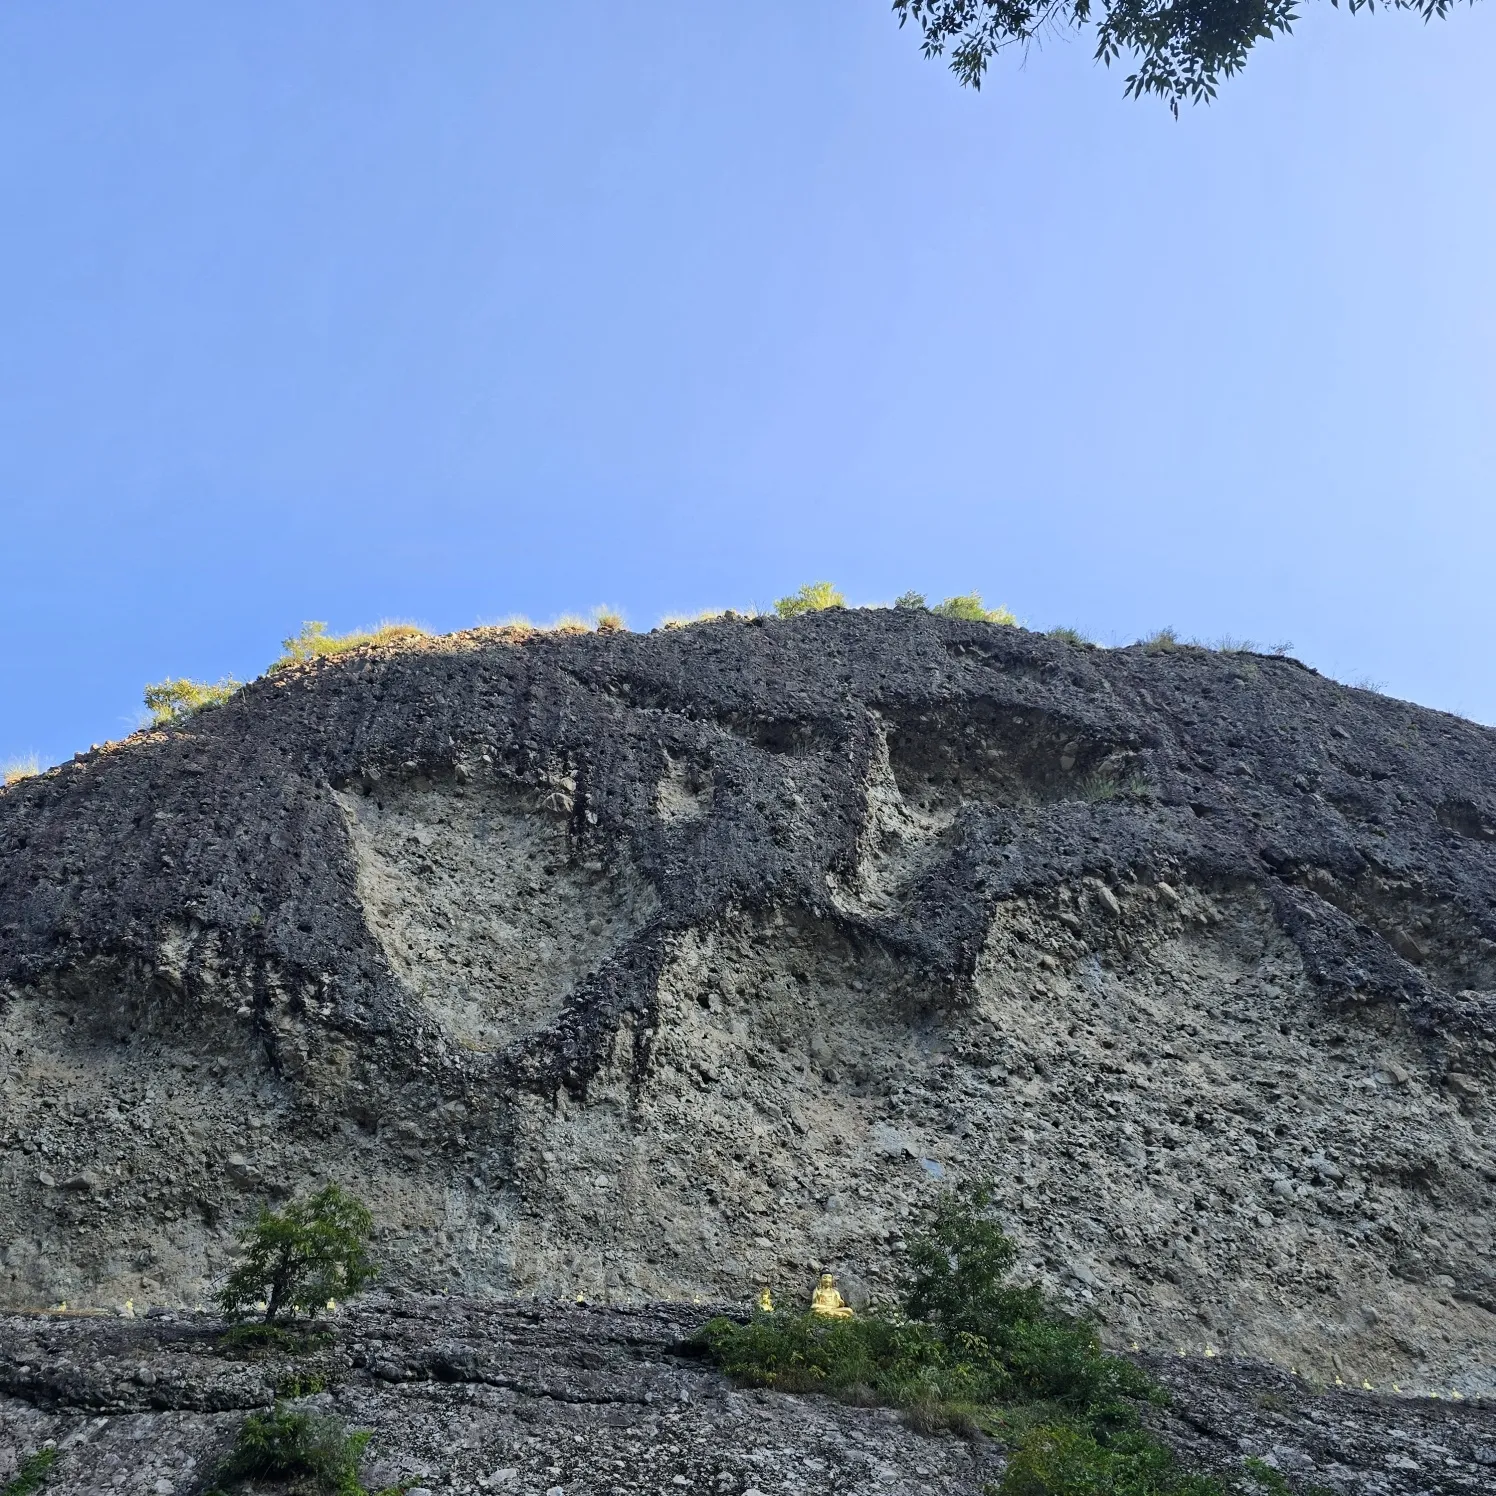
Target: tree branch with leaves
(1182, 48)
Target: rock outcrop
(463, 1398)
(659, 967)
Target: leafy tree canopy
(1182, 48)
(297, 1259)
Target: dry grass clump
(707, 615)
(1165, 641)
(17, 769)
(514, 629)
(685, 620)
(1068, 635)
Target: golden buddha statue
(765, 1301)
(827, 1299)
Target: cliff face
(648, 967)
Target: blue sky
(451, 312)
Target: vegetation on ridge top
(813, 597)
(176, 699)
(967, 605)
(315, 643)
(171, 700)
(18, 769)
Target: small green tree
(172, 700)
(813, 597)
(297, 1259)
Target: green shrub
(955, 1278)
(174, 700)
(1067, 635)
(961, 1335)
(813, 597)
(297, 1259)
(301, 1384)
(966, 1349)
(1103, 784)
(258, 1336)
(32, 1475)
(315, 643)
(1066, 1459)
(316, 1454)
(913, 601)
(968, 605)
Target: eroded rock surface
(660, 967)
(466, 1397)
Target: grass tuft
(1165, 641)
(1067, 635)
(32, 1475)
(1101, 784)
(18, 769)
(258, 1336)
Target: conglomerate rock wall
(666, 966)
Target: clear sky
(448, 312)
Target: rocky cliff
(660, 967)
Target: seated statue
(765, 1301)
(827, 1299)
